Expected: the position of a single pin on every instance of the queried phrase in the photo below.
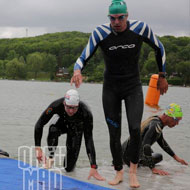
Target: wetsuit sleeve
(100, 33)
(150, 38)
(43, 120)
(88, 136)
(88, 52)
(164, 145)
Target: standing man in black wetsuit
(151, 132)
(121, 41)
(72, 117)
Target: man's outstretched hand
(77, 78)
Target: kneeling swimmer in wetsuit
(72, 117)
(151, 132)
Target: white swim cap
(72, 98)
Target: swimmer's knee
(147, 150)
(53, 131)
(157, 157)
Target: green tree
(11, 55)
(171, 61)
(34, 62)
(184, 53)
(15, 69)
(98, 73)
(2, 68)
(21, 59)
(49, 64)
(184, 69)
(150, 65)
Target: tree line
(41, 56)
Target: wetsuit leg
(151, 161)
(73, 144)
(2, 152)
(55, 130)
(150, 158)
(112, 111)
(134, 109)
(157, 157)
(125, 150)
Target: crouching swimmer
(73, 118)
(151, 132)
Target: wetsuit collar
(119, 33)
(162, 126)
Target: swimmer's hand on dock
(94, 173)
(40, 155)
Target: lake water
(22, 102)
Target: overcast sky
(21, 18)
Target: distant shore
(87, 82)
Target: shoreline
(33, 80)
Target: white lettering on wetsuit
(122, 46)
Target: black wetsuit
(151, 133)
(121, 79)
(74, 126)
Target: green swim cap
(174, 110)
(118, 7)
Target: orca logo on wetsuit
(122, 47)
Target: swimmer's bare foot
(118, 178)
(133, 181)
